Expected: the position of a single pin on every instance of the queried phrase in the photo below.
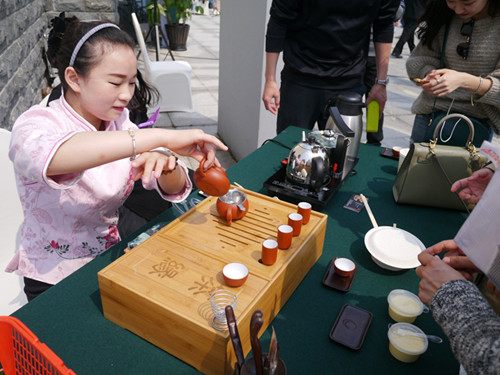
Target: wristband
(476, 91)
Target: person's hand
(378, 93)
(443, 81)
(271, 96)
(454, 257)
(433, 273)
(196, 144)
(152, 162)
(472, 188)
(431, 79)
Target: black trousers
(303, 106)
(33, 288)
(407, 36)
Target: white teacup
(402, 155)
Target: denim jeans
(420, 125)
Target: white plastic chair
(11, 216)
(171, 78)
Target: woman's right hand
(472, 188)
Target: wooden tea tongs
(267, 364)
(235, 338)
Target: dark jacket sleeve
(471, 325)
(282, 14)
(383, 26)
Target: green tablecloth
(69, 318)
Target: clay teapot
(213, 181)
(232, 206)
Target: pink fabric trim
(13, 264)
(45, 178)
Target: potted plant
(150, 11)
(178, 12)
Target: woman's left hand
(152, 162)
(472, 188)
(454, 257)
(443, 82)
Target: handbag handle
(469, 146)
(455, 115)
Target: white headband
(87, 36)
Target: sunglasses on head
(465, 30)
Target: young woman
(76, 161)
(464, 77)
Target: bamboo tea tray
(160, 290)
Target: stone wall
(23, 24)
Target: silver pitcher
(350, 106)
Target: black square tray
(278, 185)
(351, 326)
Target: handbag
(456, 132)
(429, 170)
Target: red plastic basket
(21, 352)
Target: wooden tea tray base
(160, 290)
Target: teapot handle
(202, 171)
(317, 172)
(340, 123)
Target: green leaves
(179, 11)
(176, 11)
(160, 11)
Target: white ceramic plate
(394, 248)
(385, 266)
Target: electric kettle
(308, 164)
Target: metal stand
(157, 27)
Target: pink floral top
(69, 219)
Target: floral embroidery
(130, 182)
(58, 249)
(109, 240)
(112, 238)
(54, 247)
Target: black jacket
(324, 42)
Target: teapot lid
(326, 138)
(310, 139)
(328, 133)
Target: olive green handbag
(429, 170)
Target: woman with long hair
(458, 60)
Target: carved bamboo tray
(160, 290)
